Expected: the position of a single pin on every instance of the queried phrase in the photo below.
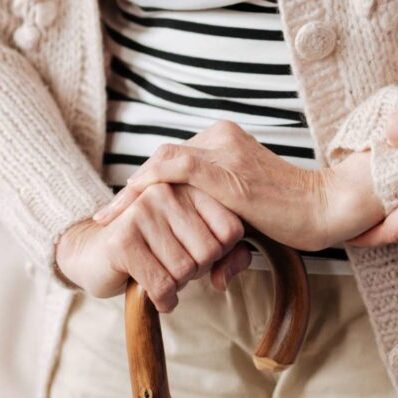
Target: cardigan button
(365, 7)
(315, 41)
(45, 14)
(26, 37)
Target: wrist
(352, 205)
(315, 209)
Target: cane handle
(276, 350)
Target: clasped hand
(179, 215)
(305, 209)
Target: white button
(27, 37)
(365, 7)
(314, 41)
(45, 14)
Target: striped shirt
(180, 65)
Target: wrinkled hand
(168, 236)
(387, 231)
(305, 209)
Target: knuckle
(226, 125)
(232, 231)
(162, 290)
(185, 271)
(227, 130)
(212, 253)
(188, 163)
(160, 191)
(165, 151)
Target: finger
(138, 260)
(128, 194)
(224, 224)
(218, 182)
(382, 234)
(120, 202)
(192, 232)
(237, 260)
(160, 172)
(168, 152)
(392, 130)
(167, 249)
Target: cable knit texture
(52, 113)
(364, 129)
(47, 181)
(52, 110)
(348, 97)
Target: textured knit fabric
(155, 97)
(52, 112)
(52, 106)
(349, 95)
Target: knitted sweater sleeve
(365, 129)
(46, 182)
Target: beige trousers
(209, 339)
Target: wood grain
(144, 342)
(277, 349)
(285, 332)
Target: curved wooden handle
(276, 350)
(287, 326)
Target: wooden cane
(276, 350)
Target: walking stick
(276, 350)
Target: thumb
(392, 130)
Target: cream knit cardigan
(52, 109)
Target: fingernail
(99, 215)
(117, 200)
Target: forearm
(46, 183)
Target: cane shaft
(277, 349)
(145, 351)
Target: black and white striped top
(180, 65)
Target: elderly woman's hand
(305, 209)
(168, 236)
